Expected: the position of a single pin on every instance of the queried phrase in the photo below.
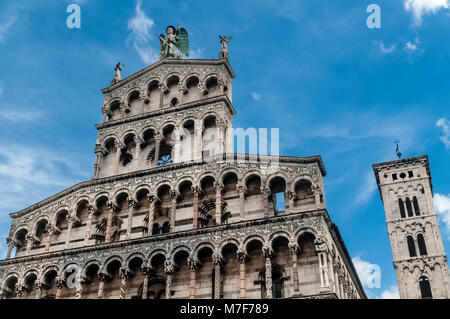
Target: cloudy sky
(312, 68)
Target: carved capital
(169, 267)
(193, 264)
(268, 252)
(60, 282)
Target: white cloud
(20, 116)
(369, 274)
(6, 26)
(412, 46)
(30, 174)
(391, 293)
(1, 91)
(442, 205)
(419, 8)
(256, 96)
(369, 187)
(196, 54)
(386, 50)
(444, 124)
(140, 37)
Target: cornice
(186, 106)
(240, 158)
(169, 62)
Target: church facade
(172, 212)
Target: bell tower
(420, 260)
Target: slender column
(195, 190)
(265, 193)
(162, 90)
(268, 254)
(341, 285)
(70, 222)
(101, 285)
(220, 137)
(124, 275)
(198, 147)
(109, 222)
(151, 214)
(322, 252)
(169, 268)
(78, 286)
(11, 243)
(38, 285)
(177, 147)
(59, 286)
(50, 233)
(193, 266)
(29, 243)
(219, 188)
(293, 248)
(218, 261)
(157, 147)
(291, 198)
(331, 272)
(132, 204)
(117, 156)
(242, 256)
(137, 152)
(87, 233)
(241, 191)
(173, 195)
(146, 271)
(98, 155)
(20, 289)
(317, 197)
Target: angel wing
(228, 39)
(183, 41)
(161, 41)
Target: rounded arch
(143, 188)
(133, 256)
(38, 221)
(103, 196)
(123, 192)
(172, 76)
(190, 75)
(59, 211)
(228, 242)
(204, 175)
(131, 91)
(113, 102)
(227, 171)
(87, 265)
(125, 135)
(279, 234)
(111, 259)
(202, 245)
(182, 180)
(178, 249)
(299, 179)
(307, 230)
(47, 270)
(252, 238)
(273, 176)
(163, 183)
(109, 141)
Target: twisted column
(124, 275)
(293, 248)
(218, 261)
(268, 254)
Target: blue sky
(311, 68)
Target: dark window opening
(421, 244)
(402, 208)
(416, 206)
(409, 207)
(394, 177)
(425, 288)
(411, 246)
(402, 175)
(410, 174)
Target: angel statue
(176, 37)
(223, 54)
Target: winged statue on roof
(177, 38)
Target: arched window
(155, 229)
(411, 246)
(402, 208)
(421, 244)
(416, 206)
(409, 207)
(425, 288)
